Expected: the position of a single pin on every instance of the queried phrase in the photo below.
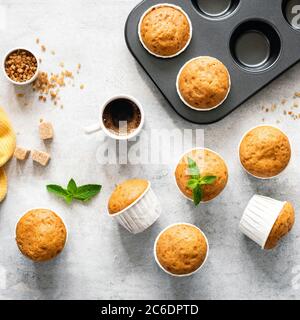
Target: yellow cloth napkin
(7, 138)
(3, 184)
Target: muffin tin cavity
(291, 11)
(215, 9)
(255, 45)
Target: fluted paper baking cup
(259, 218)
(165, 5)
(141, 214)
(180, 275)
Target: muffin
(181, 249)
(209, 164)
(134, 204)
(3, 184)
(267, 220)
(165, 30)
(283, 225)
(203, 83)
(265, 152)
(41, 235)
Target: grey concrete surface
(101, 260)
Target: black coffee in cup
(121, 116)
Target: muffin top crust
(203, 83)
(209, 164)
(126, 193)
(265, 151)
(41, 234)
(165, 30)
(181, 249)
(282, 226)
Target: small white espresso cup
(101, 126)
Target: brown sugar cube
(40, 157)
(46, 130)
(21, 153)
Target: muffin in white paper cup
(265, 152)
(134, 205)
(165, 30)
(266, 220)
(210, 163)
(210, 77)
(41, 234)
(181, 249)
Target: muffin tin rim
(180, 275)
(132, 204)
(186, 103)
(184, 154)
(239, 145)
(167, 5)
(25, 82)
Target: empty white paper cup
(165, 5)
(180, 275)
(259, 218)
(141, 214)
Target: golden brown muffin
(282, 226)
(165, 30)
(125, 194)
(41, 234)
(203, 83)
(265, 151)
(181, 249)
(209, 164)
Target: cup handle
(92, 128)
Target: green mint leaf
(193, 183)
(193, 168)
(82, 193)
(69, 199)
(197, 195)
(208, 180)
(57, 190)
(72, 187)
(87, 192)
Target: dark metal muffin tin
(217, 37)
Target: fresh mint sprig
(82, 193)
(196, 182)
